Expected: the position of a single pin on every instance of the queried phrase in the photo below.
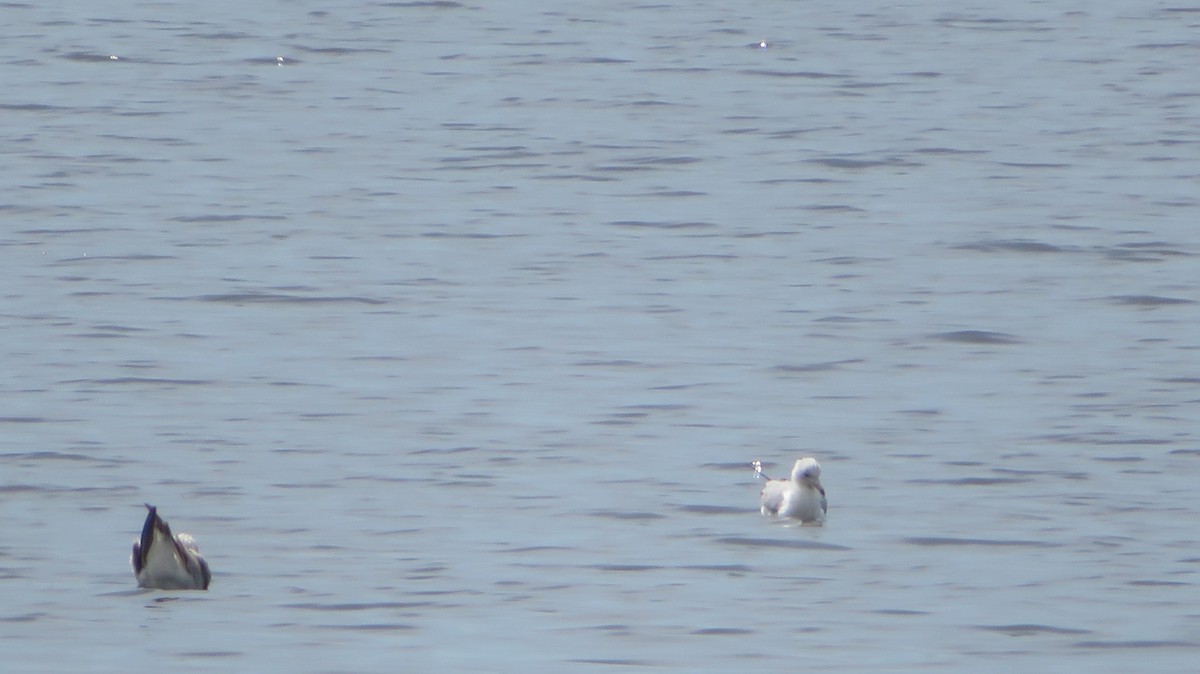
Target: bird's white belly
(802, 504)
(163, 568)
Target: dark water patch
(826, 366)
(1140, 249)
(793, 544)
(621, 168)
(662, 225)
(1185, 452)
(1034, 165)
(1118, 459)
(49, 455)
(120, 381)
(1190, 381)
(714, 509)
(1013, 246)
(367, 606)
(471, 235)
(946, 150)
(23, 420)
(1059, 474)
(687, 70)
(992, 23)
(614, 662)
(900, 611)
(613, 422)
(1148, 300)
(373, 627)
(212, 654)
(722, 631)
(165, 140)
(298, 451)
(637, 414)
(626, 515)
(24, 488)
(612, 628)
(608, 363)
(275, 298)
(858, 164)
(625, 568)
(665, 407)
(1135, 644)
(493, 166)
(31, 107)
(223, 218)
(501, 149)
(466, 483)
(444, 450)
(537, 548)
(120, 328)
(1025, 630)
(576, 177)
(706, 256)
(425, 4)
(848, 260)
(648, 103)
(719, 568)
(1158, 583)
(119, 258)
(679, 387)
(681, 160)
(792, 74)
(67, 489)
(66, 231)
(23, 618)
(976, 337)
(972, 481)
(223, 35)
(338, 51)
(843, 208)
(324, 415)
(1100, 439)
(603, 60)
(1165, 45)
(945, 541)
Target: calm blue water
(450, 331)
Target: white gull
(167, 562)
(800, 497)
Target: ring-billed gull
(800, 497)
(167, 562)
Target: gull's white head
(807, 470)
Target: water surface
(451, 331)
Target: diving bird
(167, 562)
(800, 497)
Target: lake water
(450, 331)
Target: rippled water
(450, 332)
